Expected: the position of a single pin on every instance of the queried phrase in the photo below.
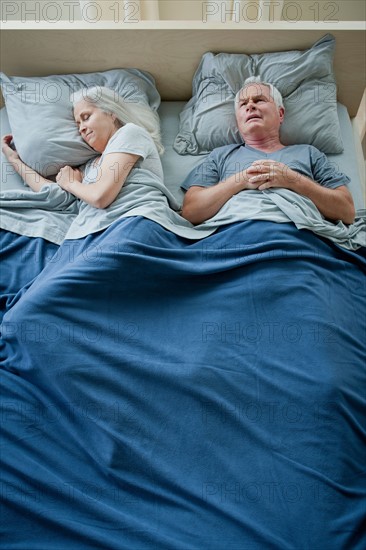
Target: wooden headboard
(171, 51)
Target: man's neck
(267, 145)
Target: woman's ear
(117, 121)
(282, 114)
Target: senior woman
(122, 132)
(126, 179)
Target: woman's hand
(67, 176)
(11, 154)
(28, 175)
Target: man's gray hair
(125, 110)
(274, 92)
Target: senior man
(263, 162)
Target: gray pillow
(304, 78)
(41, 119)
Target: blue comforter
(164, 393)
(22, 259)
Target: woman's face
(95, 126)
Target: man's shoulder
(303, 150)
(224, 150)
(302, 147)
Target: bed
(171, 392)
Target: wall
(198, 10)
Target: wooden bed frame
(171, 51)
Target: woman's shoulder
(131, 138)
(130, 130)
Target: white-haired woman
(126, 135)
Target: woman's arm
(29, 176)
(112, 174)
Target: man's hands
(334, 204)
(202, 203)
(263, 174)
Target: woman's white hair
(274, 92)
(125, 110)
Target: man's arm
(202, 203)
(334, 204)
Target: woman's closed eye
(83, 118)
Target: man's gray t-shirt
(147, 170)
(225, 161)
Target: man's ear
(282, 114)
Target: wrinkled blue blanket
(164, 393)
(22, 259)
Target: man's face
(257, 112)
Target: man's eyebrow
(256, 96)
